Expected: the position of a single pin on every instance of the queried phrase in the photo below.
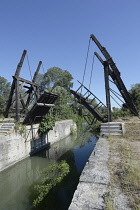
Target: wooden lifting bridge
(33, 106)
(30, 104)
(110, 72)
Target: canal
(17, 182)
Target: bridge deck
(84, 100)
(40, 109)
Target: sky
(57, 32)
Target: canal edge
(94, 180)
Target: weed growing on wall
(72, 130)
(53, 174)
(21, 129)
(46, 124)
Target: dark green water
(16, 183)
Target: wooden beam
(47, 105)
(26, 81)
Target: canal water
(17, 182)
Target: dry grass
(124, 163)
(109, 199)
(132, 131)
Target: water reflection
(16, 183)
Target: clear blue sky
(57, 32)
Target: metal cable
(43, 69)
(116, 95)
(113, 91)
(86, 61)
(115, 100)
(91, 70)
(29, 67)
(85, 64)
(111, 81)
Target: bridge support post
(107, 89)
(17, 100)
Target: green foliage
(57, 77)
(4, 93)
(59, 81)
(62, 109)
(95, 128)
(46, 124)
(135, 95)
(72, 130)
(53, 174)
(78, 119)
(124, 112)
(1, 115)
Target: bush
(46, 124)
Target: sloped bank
(94, 180)
(15, 147)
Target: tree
(39, 80)
(57, 77)
(4, 93)
(62, 109)
(135, 95)
(58, 81)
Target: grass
(126, 172)
(130, 173)
(109, 199)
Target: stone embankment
(94, 180)
(15, 146)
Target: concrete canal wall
(15, 147)
(94, 180)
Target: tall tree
(57, 77)
(62, 109)
(4, 93)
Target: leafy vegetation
(53, 174)
(56, 77)
(72, 130)
(4, 94)
(62, 109)
(135, 96)
(59, 82)
(123, 112)
(46, 124)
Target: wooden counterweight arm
(116, 77)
